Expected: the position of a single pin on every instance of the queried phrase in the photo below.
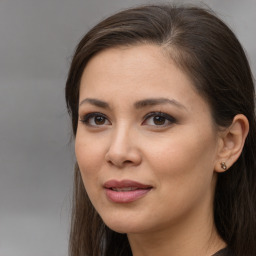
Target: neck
(178, 245)
(194, 235)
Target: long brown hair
(210, 54)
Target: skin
(177, 157)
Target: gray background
(37, 38)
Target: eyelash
(168, 118)
(86, 119)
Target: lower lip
(125, 196)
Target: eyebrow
(95, 102)
(157, 101)
(137, 105)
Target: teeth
(124, 189)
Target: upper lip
(125, 184)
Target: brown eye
(95, 120)
(99, 120)
(159, 120)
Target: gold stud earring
(223, 166)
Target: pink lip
(138, 190)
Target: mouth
(125, 191)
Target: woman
(162, 106)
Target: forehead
(127, 58)
(139, 63)
(139, 71)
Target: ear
(231, 143)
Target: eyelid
(85, 119)
(168, 117)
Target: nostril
(120, 163)
(121, 158)
(127, 162)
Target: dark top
(222, 252)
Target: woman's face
(146, 144)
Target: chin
(121, 226)
(124, 225)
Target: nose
(123, 149)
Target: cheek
(89, 156)
(183, 170)
(184, 159)
(89, 159)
